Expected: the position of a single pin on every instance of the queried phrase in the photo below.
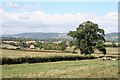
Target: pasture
(60, 69)
(16, 54)
(63, 69)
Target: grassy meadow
(60, 69)
(16, 54)
(63, 69)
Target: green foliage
(41, 47)
(113, 44)
(50, 46)
(71, 43)
(101, 47)
(62, 46)
(13, 44)
(74, 52)
(20, 43)
(44, 59)
(37, 44)
(87, 37)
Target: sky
(60, 17)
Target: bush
(62, 46)
(44, 59)
(74, 52)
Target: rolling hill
(39, 35)
(112, 36)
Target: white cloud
(10, 4)
(1, 10)
(110, 22)
(21, 7)
(42, 22)
(32, 6)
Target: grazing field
(16, 54)
(18, 58)
(60, 69)
(63, 69)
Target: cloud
(10, 4)
(39, 21)
(32, 6)
(29, 7)
(1, 10)
(21, 7)
(110, 22)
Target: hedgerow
(44, 59)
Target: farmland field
(63, 69)
(16, 54)
(60, 69)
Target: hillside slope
(109, 36)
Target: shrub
(74, 52)
(44, 59)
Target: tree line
(45, 46)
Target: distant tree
(20, 40)
(62, 46)
(113, 44)
(71, 43)
(12, 43)
(88, 37)
(41, 46)
(22, 44)
(118, 45)
(37, 44)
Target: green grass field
(60, 69)
(63, 69)
(16, 54)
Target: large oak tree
(88, 37)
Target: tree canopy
(88, 37)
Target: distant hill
(112, 36)
(39, 35)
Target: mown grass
(63, 69)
